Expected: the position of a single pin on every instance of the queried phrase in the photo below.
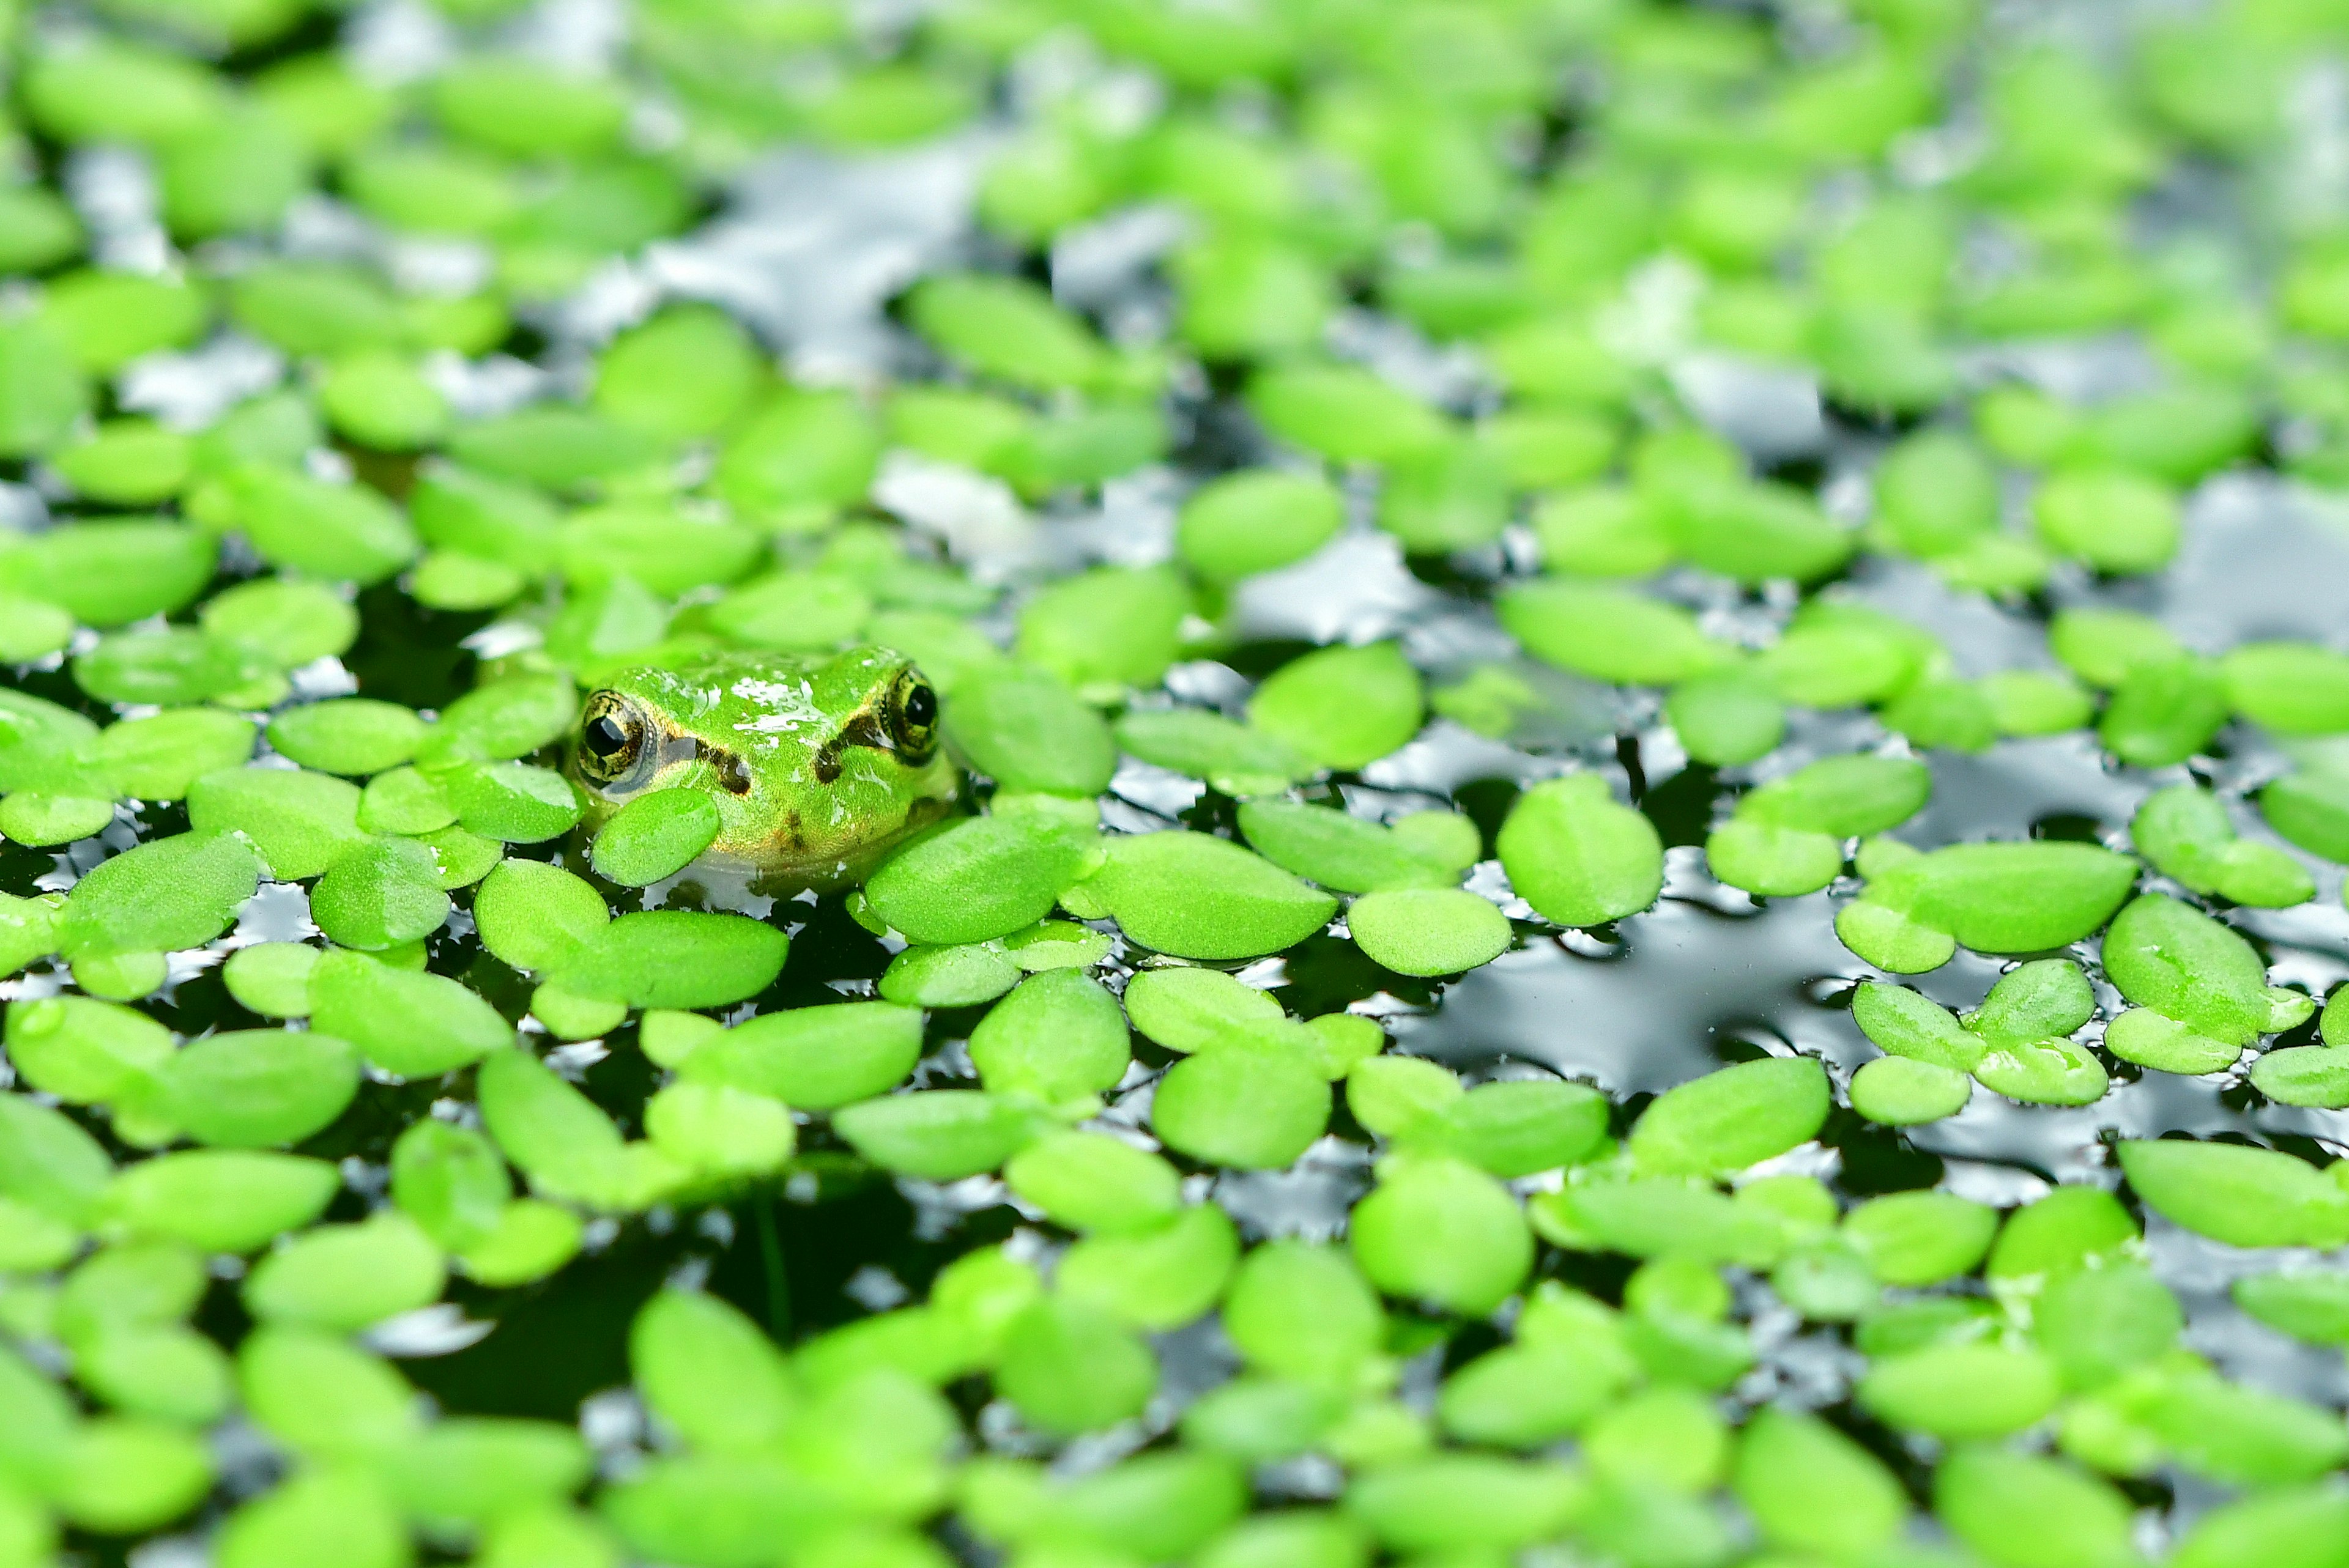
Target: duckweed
(1430, 624)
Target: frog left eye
(611, 738)
(914, 717)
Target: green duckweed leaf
(111, 573)
(2242, 1196)
(285, 622)
(948, 977)
(1608, 633)
(1341, 851)
(168, 668)
(1441, 1231)
(1578, 857)
(450, 1180)
(320, 1396)
(1960, 1392)
(47, 1164)
(1726, 1120)
(1007, 329)
(674, 958)
(382, 894)
(1070, 1367)
(253, 1088)
(979, 879)
(83, 1050)
(285, 1525)
(160, 897)
(1428, 931)
(1345, 412)
(1342, 707)
(1769, 860)
(533, 915)
(160, 756)
(814, 1059)
(121, 1475)
(1105, 630)
(1253, 1107)
(301, 822)
(2014, 1507)
(1057, 1037)
(942, 1135)
(1842, 797)
(2293, 688)
(221, 1200)
(2312, 1305)
(2185, 833)
(1465, 1501)
(1155, 1280)
(2162, 714)
(407, 1023)
(348, 1277)
(1900, 1091)
(335, 532)
(2044, 1072)
(1811, 1489)
(1234, 759)
(2010, 897)
(2311, 809)
(46, 819)
(1912, 1239)
(1256, 521)
(1198, 896)
(1512, 1128)
(2114, 521)
(2313, 1076)
(654, 836)
(1089, 1182)
(356, 737)
(2165, 956)
(1029, 732)
(514, 802)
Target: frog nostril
(732, 772)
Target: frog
(819, 766)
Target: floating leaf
(1726, 1120)
(1058, 1036)
(160, 897)
(223, 1200)
(1198, 896)
(354, 736)
(977, 880)
(252, 1088)
(1441, 1231)
(1244, 1105)
(1342, 707)
(2242, 1196)
(382, 894)
(407, 1024)
(346, 1276)
(815, 1059)
(939, 1135)
(655, 835)
(1578, 857)
(1428, 931)
(301, 822)
(673, 958)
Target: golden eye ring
(914, 717)
(612, 739)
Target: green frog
(817, 765)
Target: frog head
(817, 765)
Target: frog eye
(914, 717)
(611, 738)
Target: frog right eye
(612, 737)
